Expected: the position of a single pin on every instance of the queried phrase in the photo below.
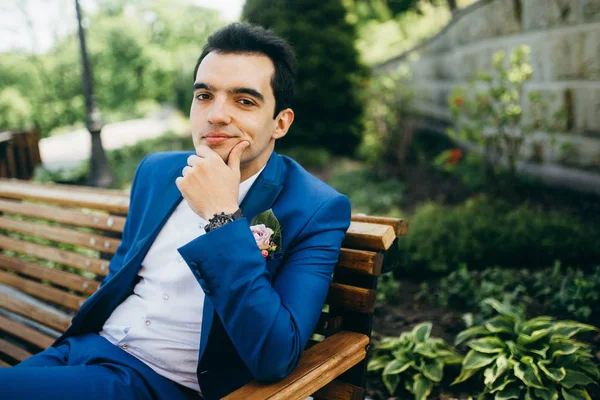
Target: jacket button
(193, 265)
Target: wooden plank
(319, 365)
(400, 226)
(43, 273)
(26, 333)
(4, 364)
(364, 235)
(70, 188)
(363, 262)
(338, 390)
(64, 195)
(111, 223)
(328, 324)
(63, 235)
(13, 351)
(34, 313)
(99, 267)
(351, 298)
(40, 291)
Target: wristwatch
(222, 219)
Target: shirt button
(180, 260)
(166, 296)
(147, 322)
(124, 346)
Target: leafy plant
(415, 358)
(531, 359)
(387, 290)
(490, 111)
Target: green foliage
(532, 359)
(484, 231)
(330, 78)
(387, 290)
(570, 291)
(309, 158)
(369, 193)
(140, 51)
(414, 358)
(465, 290)
(15, 110)
(490, 111)
(388, 126)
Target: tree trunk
(451, 4)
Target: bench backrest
(56, 242)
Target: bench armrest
(318, 366)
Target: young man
(197, 300)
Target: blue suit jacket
(258, 314)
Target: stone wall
(564, 37)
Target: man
(198, 300)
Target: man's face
(234, 101)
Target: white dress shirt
(160, 322)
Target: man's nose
(219, 113)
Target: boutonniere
(267, 233)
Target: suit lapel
(260, 197)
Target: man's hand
(208, 184)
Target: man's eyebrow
(239, 90)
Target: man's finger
(235, 155)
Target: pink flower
(262, 235)
(265, 253)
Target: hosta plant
(527, 359)
(415, 358)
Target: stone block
(545, 14)
(589, 10)
(587, 111)
(565, 56)
(589, 67)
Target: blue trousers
(87, 367)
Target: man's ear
(283, 121)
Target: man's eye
(246, 102)
(202, 96)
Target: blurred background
(477, 121)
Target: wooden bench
(55, 245)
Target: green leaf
(509, 392)
(396, 367)
(568, 329)
(487, 345)
(556, 374)
(464, 375)
(387, 343)
(540, 352)
(500, 324)
(523, 338)
(528, 372)
(516, 350)
(421, 387)
(501, 384)
(537, 323)
(546, 393)
(391, 383)
(493, 373)
(476, 360)
(421, 332)
(590, 369)
(467, 333)
(563, 348)
(575, 394)
(426, 350)
(574, 378)
(503, 309)
(378, 363)
(433, 370)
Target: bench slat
(34, 313)
(13, 351)
(364, 235)
(328, 324)
(94, 265)
(111, 223)
(23, 332)
(400, 226)
(63, 235)
(53, 194)
(319, 365)
(351, 298)
(364, 262)
(337, 390)
(40, 291)
(4, 364)
(41, 272)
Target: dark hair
(243, 37)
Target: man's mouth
(217, 137)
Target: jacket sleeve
(270, 323)
(116, 261)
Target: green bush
(414, 358)
(387, 290)
(570, 291)
(538, 358)
(309, 157)
(484, 231)
(368, 192)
